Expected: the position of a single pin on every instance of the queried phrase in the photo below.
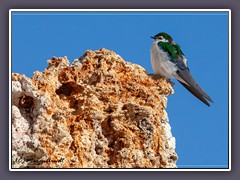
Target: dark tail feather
(192, 86)
(195, 93)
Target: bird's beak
(152, 37)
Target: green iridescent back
(173, 50)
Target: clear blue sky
(201, 132)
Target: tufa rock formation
(99, 112)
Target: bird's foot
(172, 83)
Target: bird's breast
(161, 63)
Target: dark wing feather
(191, 84)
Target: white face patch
(162, 39)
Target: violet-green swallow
(168, 60)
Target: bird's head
(163, 37)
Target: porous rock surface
(98, 112)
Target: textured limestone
(99, 112)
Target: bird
(169, 61)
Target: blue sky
(201, 132)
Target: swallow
(168, 60)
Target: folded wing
(190, 84)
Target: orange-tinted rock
(99, 112)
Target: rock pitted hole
(94, 79)
(26, 103)
(74, 103)
(66, 89)
(109, 110)
(174, 157)
(145, 125)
